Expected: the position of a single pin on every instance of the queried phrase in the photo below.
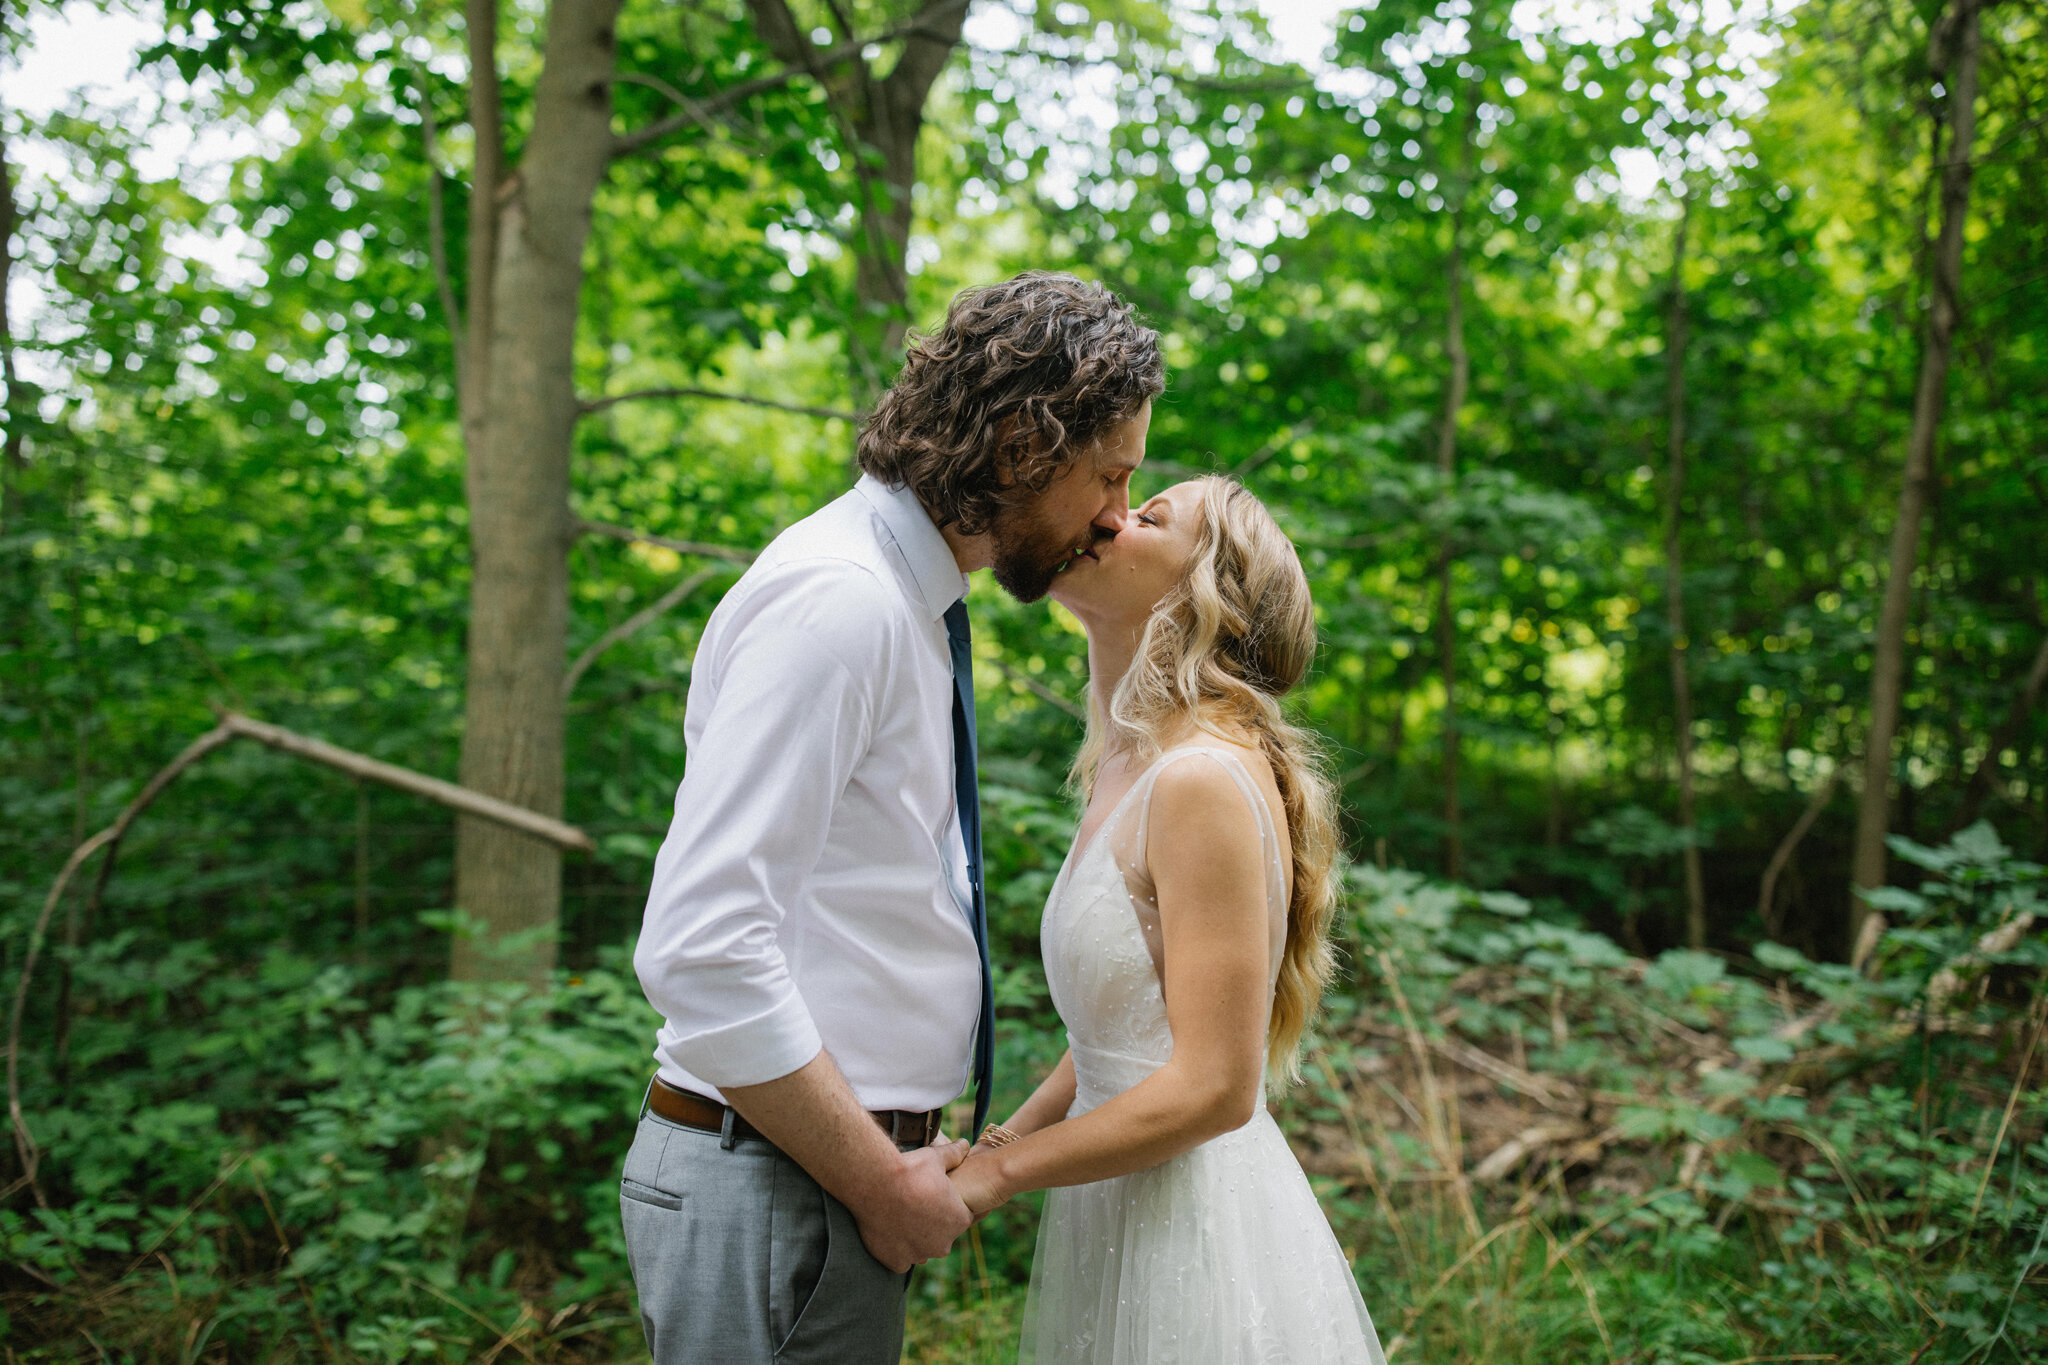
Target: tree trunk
(1674, 575)
(12, 461)
(1447, 466)
(880, 118)
(1886, 669)
(520, 524)
(486, 116)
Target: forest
(1656, 392)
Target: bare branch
(517, 818)
(633, 623)
(24, 1143)
(232, 727)
(692, 111)
(731, 554)
(1040, 690)
(589, 405)
(932, 35)
(701, 111)
(1818, 802)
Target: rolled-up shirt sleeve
(800, 666)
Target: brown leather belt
(906, 1128)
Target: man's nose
(1116, 511)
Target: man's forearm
(906, 1208)
(814, 1117)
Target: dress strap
(1133, 849)
(1231, 764)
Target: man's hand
(916, 1214)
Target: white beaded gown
(1219, 1256)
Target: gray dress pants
(740, 1257)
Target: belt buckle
(901, 1132)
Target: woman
(1185, 947)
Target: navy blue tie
(967, 797)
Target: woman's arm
(1208, 867)
(1049, 1103)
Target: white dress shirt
(811, 888)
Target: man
(815, 935)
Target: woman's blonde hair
(1221, 648)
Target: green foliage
(407, 1181)
(269, 1127)
(1786, 1156)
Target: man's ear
(1012, 450)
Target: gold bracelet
(995, 1135)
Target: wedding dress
(1219, 1256)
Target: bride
(1185, 948)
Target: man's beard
(1028, 553)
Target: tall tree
(1459, 183)
(1674, 573)
(520, 409)
(879, 117)
(526, 266)
(1953, 48)
(15, 412)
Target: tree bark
(520, 523)
(1887, 658)
(880, 118)
(1447, 466)
(12, 460)
(486, 117)
(1674, 575)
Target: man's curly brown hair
(1023, 377)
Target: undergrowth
(1536, 1148)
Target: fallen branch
(1510, 1154)
(587, 406)
(1550, 1094)
(530, 823)
(24, 1145)
(234, 726)
(731, 554)
(650, 612)
(2001, 939)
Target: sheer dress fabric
(1219, 1256)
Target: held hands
(974, 1180)
(921, 1214)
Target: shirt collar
(932, 567)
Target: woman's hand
(975, 1181)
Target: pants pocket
(799, 1249)
(647, 1194)
(855, 1314)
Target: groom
(815, 936)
